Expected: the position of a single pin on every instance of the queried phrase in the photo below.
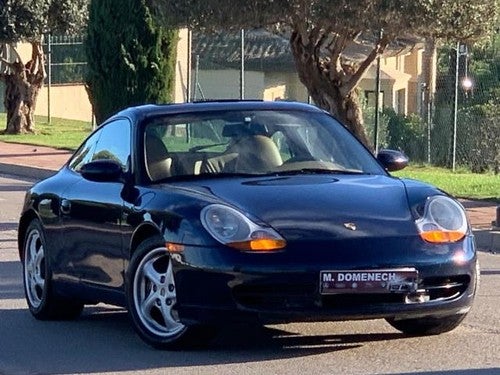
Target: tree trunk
(325, 86)
(23, 84)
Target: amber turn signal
(261, 244)
(438, 236)
(174, 247)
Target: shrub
(407, 133)
(131, 60)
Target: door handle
(65, 207)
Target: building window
(370, 97)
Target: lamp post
(242, 67)
(377, 106)
(377, 100)
(461, 50)
(49, 76)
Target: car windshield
(259, 142)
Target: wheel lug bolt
(171, 287)
(168, 301)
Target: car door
(92, 214)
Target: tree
(28, 21)
(320, 30)
(131, 60)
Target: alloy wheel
(34, 268)
(155, 294)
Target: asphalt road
(102, 339)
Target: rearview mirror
(392, 160)
(102, 171)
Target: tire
(151, 299)
(37, 280)
(427, 325)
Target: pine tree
(131, 59)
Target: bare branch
(6, 62)
(340, 45)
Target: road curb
(487, 240)
(26, 171)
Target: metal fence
(466, 115)
(460, 130)
(66, 60)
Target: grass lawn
(68, 134)
(61, 133)
(461, 184)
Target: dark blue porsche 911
(200, 214)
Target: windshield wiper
(189, 177)
(317, 171)
(304, 171)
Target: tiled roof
(267, 51)
(263, 51)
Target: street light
(467, 84)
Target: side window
(114, 143)
(84, 154)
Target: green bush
(479, 125)
(407, 133)
(369, 122)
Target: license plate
(400, 280)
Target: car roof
(153, 110)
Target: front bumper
(215, 286)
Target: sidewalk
(38, 162)
(31, 161)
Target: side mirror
(102, 171)
(392, 160)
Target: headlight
(444, 220)
(230, 227)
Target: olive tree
(28, 21)
(320, 30)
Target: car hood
(319, 206)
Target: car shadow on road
(102, 340)
(13, 187)
(8, 226)
(255, 337)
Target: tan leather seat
(256, 154)
(250, 151)
(158, 160)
